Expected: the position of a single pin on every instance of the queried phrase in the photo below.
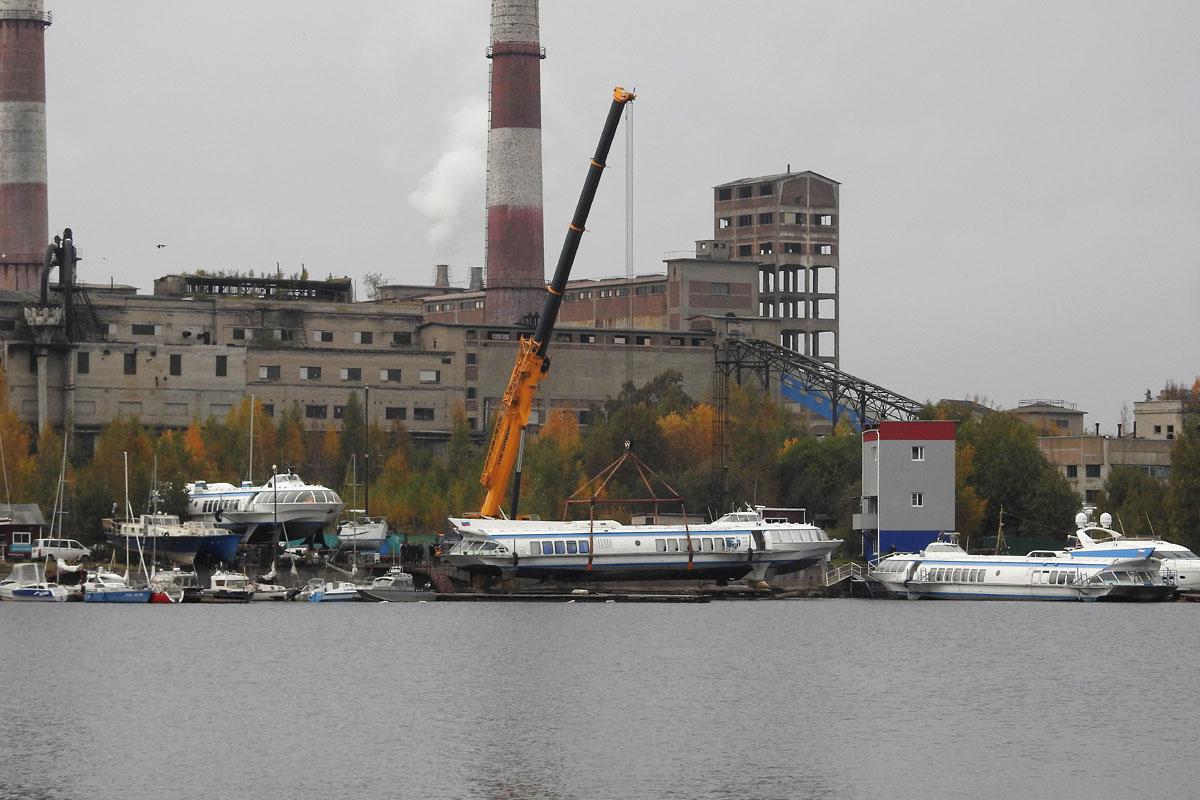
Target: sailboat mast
(367, 452)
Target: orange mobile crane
(532, 361)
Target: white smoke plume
(453, 191)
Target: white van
(66, 549)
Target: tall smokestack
(516, 273)
(24, 211)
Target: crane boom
(532, 361)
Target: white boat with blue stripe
(943, 570)
(1101, 540)
(736, 545)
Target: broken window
(745, 220)
(764, 249)
(793, 247)
(725, 194)
(724, 222)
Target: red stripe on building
(917, 430)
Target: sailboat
(360, 532)
(105, 585)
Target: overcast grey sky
(1020, 181)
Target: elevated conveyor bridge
(810, 382)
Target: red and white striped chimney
(516, 272)
(24, 211)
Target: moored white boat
(106, 586)
(733, 546)
(319, 590)
(1102, 540)
(176, 582)
(943, 570)
(227, 586)
(395, 586)
(27, 583)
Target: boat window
(957, 575)
(547, 548)
(535, 548)
(583, 547)
(660, 545)
(775, 536)
(673, 545)
(560, 548)
(706, 543)
(719, 543)
(1053, 577)
(572, 548)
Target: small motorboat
(225, 586)
(395, 586)
(319, 590)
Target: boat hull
(116, 596)
(178, 549)
(38, 594)
(397, 595)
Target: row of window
(271, 372)
(795, 536)
(616, 291)
(83, 364)
(955, 575)
(797, 248)
(313, 411)
(1089, 470)
(279, 334)
(698, 544)
(463, 305)
(1054, 577)
(559, 547)
(593, 338)
(265, 373)
(768, 218)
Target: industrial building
(77, 355)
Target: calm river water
(852, 699)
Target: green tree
(823, 476)
(1011, 472)
(1135, 500)
(758, 430)
(553, 466)
(1183, 501)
